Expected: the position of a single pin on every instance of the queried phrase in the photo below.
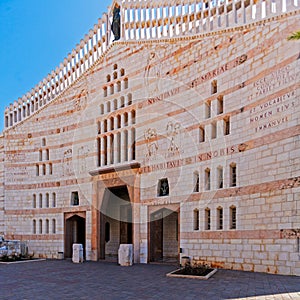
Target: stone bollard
(125, 255)
(77, 255)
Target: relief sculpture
(173, 130)
(67, 163)
(151, 141)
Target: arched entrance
(164, 236)
(115, 221)
(74, 233)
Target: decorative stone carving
(67, 163)
(290, 233)
(151, 142)
(172, 133)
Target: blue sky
(35, 37)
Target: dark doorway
(115, 221)
(74, 234)
(163, 235)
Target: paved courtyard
(61, 279)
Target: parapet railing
(143, 20)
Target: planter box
(173, 274)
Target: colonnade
(143, 20)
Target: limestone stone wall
(215, 115)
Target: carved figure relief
(81, 101)
(151, 141)
(152, 71)
(67, 163)
(173, 130)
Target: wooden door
(156, 237)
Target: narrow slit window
(214, 87)
(220, 218)
(233, 175)
(201, 134)
(196, 219)
(220, 105)
(207, 179)
(207, 109)
(207, 219)
(232, 217)
(196, 182)
(213, 130)
(227, 126)
(220, 179)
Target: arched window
(220, 218)
(40, 200)
(207, 219)
(214, 86)
(163, 187)
(40, 226)
(227, 126)
(213, 130)
(207, 109)
(232, 215)
(34, 201)
(207, 179)
(47, 227)
(201, 134)
(115, 104)
(34, 226)
(105, 91)
(47, 154)
(196, 182)
(129, 99)
(220, 105)
(133, 116)
(126, 83)
(220, 180)
(233, 175)
(102, 109)
(47, 200)
(53, 226)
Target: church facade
(180, 136)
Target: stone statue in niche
(116, 23)
(172, 133)
(151, 141)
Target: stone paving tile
(61, 279)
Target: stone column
(108, 149)
(129, 145)
(116, 148)
(102, 152)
